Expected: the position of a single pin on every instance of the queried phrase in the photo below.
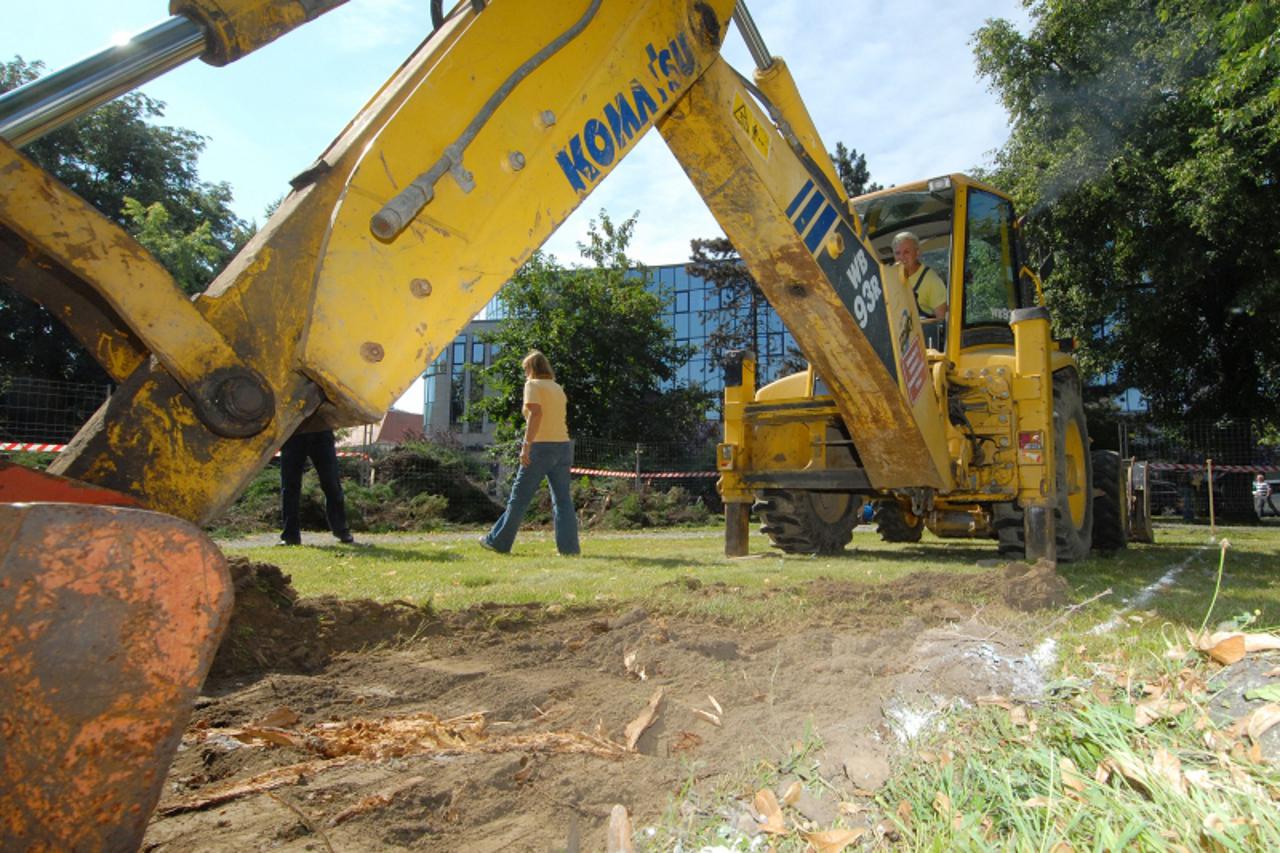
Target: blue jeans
(550, 459)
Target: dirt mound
(272, 630)
(1034, 587)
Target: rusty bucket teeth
(109, 620)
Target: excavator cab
(968, 237)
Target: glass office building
(695, 310)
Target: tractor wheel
(1073, 512)
(1109, 528)
(895, 524)
(803, 522)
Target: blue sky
(893, 79)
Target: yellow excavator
(112, 600)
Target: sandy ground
(330, 725)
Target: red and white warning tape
(30, 447)
(58, 448)
(644, 475)
(1226, 469)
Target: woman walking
(546, 452)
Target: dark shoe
(347, 539)
(288, 542)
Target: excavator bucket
(109, 620)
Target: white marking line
(1144, 596)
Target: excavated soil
(332, 725)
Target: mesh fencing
(1192, 464)
(43, 411)
(1199, 466)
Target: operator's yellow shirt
(548, 394)
(932, 292)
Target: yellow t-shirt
(548, 394)
(932, 292)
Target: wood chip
(637, 727)
(706, 715)
(793, 792)
(376, 801)
(618, 839)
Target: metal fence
(41, 411)
(1192, 463)
(1199, 466)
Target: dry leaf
(998, 701)
(1071, 777)
(636, 727)
(942, 805)
(887, 830)
(1262, 719)
(618, 839)
(1168, 767)
(833, 840)
(1228, 651)
(686, 741)
(852, 809)
(767, 805)
(1213, 823)
(1038, 803)
(1261, 642)
(793, 792)
(1127, 769)
(1200, 778)
(1062, 847)
(1018, 716)
(706, 715)
(1146, 713)
(904, 813)
(716, 705)
(1272, 673)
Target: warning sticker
(754, 128)
(913, 363)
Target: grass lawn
(669, 571)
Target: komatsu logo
(603, 140)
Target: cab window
(990, 288)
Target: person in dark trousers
(321, 449)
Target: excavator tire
(804, 522)
(895, 524)
(1109, 528)
(1074, 510)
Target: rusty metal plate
(109, 620)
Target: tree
(1146, 136)
(604, 335)
(851, 167)
(144, 177)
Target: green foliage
(110, 156)
(1146, 141)
(605, 337)
(851, 167)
